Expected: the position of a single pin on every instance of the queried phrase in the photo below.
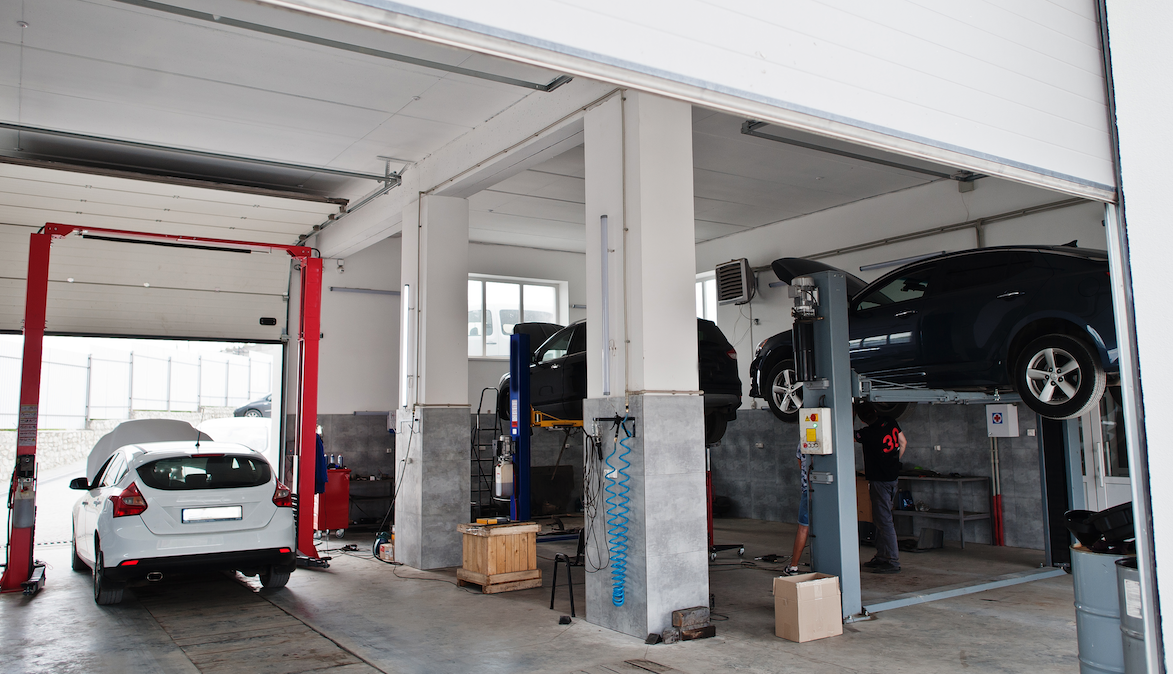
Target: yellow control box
(814, 430)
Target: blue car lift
(519, 425)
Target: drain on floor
(628, 667)
(225, 628)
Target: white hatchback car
(173, 506)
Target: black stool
(561, 558)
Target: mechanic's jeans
(883, 493)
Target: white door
(1105, 459)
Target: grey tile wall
(762, 482)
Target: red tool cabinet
(333, 505)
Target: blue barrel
(1131, 616)
(1097, 611)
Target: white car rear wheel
(274, 580)
(106, 591)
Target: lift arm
(20, 571)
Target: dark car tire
(890, 410)
(254, 414)
(715, 425)
(783, 391)
(503, 403)
(106, 591)
(274, 580)
(1080, 368)
(78, 564)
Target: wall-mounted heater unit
(735, 282)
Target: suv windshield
(203, 471)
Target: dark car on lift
(1036, 320)
(558, 376)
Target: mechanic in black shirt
(883, 446)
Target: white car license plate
(219, 514)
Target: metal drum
(1131, 616)
(1097, 611)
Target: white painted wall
(359, 355)
(1139, 36)
(934, 205)
(527, 263)
(1015, 88)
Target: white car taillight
(129, 502)
(282, 496)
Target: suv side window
(981, 269)
(578, 341)
(556, 346)
(910, 285)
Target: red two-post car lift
(22, 573)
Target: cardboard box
(807, 607)
(387, 552)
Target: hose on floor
(617, 509)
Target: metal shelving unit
(960, 515)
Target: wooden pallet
(501, 582)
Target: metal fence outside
(76, 387)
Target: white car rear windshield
(205, 471)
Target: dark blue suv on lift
(1033, 319)
(558, 375)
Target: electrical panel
(814, 430)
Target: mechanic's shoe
(873, 562)
(791, 571)
(886, 567)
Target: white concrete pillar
(433, 428)
(638, 151)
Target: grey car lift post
(835, 534)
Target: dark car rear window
(205, 472)
(708, 332)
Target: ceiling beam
(532, 130)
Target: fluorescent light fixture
(405, 346)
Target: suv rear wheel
(715, 424)
(1059, 376)
(784, 391)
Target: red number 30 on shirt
(891, 441)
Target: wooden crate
(500, 557)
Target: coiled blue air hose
(617, 509)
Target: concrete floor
(362, 615)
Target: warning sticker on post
(26, 426)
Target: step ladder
(486, 429)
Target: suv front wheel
(784, 391)
(1059, 376)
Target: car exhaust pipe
(155, 576)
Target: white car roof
(137, 431)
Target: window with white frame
(496, 305)
(706, 298)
